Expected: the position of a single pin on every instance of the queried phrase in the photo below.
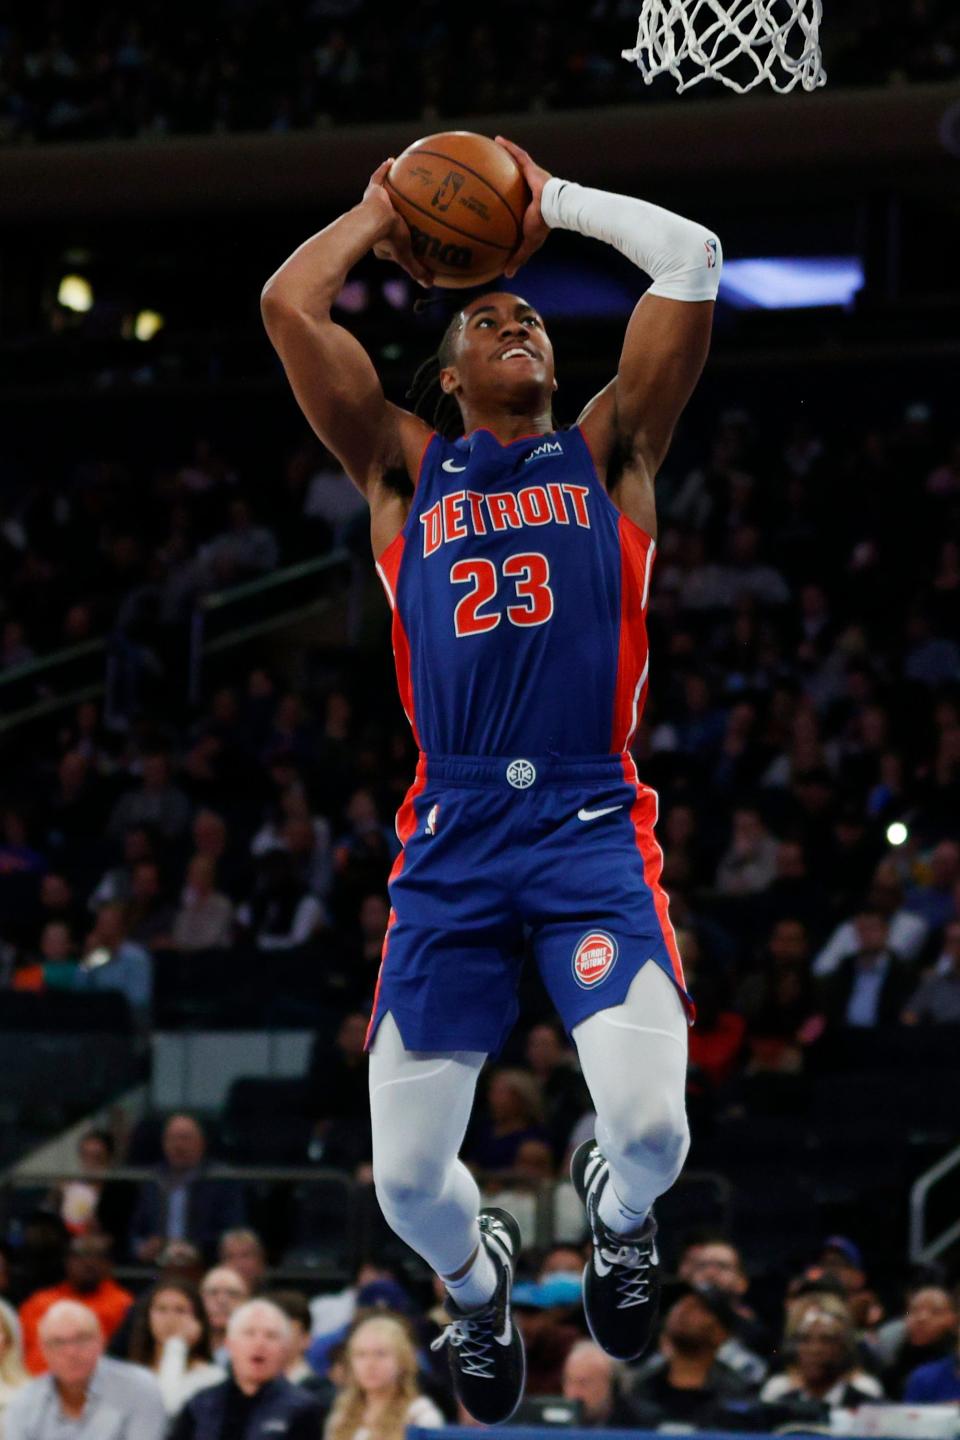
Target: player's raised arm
(331, 375)
(632, 420)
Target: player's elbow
(277, 306)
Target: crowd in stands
(804, 715)
(213, 1345)
(148, 70)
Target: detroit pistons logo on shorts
(593, 959)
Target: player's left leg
(634, 1060)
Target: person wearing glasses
(84, 1394)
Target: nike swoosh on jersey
(595, 814)
(452, 469)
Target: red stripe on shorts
(406, 825)
(643, 813)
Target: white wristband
(682, 258)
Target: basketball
(463, 197)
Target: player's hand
(395, 243)
(535, 231)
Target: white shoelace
(473, 1338)
(632, 1264)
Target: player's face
(503, 353)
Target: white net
(738, 42)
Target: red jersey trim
(388, 568)
(636, 563)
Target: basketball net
(741, 43)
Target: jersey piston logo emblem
(593, 959)
(452, 469)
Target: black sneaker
(621, 1281)
(485, 1349)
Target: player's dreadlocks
(426, 394)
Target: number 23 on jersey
(523, 582)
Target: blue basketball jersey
(519, 596)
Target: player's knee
(407, 1185)
(655, 1138)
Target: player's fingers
(515, 150)
(378, 176)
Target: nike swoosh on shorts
(595, 814)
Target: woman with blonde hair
(12, 1372)
(381, 1396)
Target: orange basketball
(463, 197)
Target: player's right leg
(420, 1105)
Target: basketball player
(517, 559)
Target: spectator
(240, 552)
(223, 1291)
(184, 1202)
(242, 1250)
(111, 961)
(935, 1384)
(298, 1372)
(87, 1281)
(547, 1313)
(686, 1382)
(256, 1399)
(932, 896)
(713, 1263)
(590, 1377)
(12, 1372)
(281, 913)
(513, 1114)
(936, 1000)
(117, 882)
(868, 987)
(85, 1394)
(157, 802)
(780, 1004)
(92, 1203)
(338, 1095)
(204, 920)
(553, 1065)
(825, 1367)
(927, 1333)
(381, 1396)
(906, 932)
(171, 1339)
(149, 914)
(750, 863)
(841, 1259)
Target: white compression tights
(634, 1059)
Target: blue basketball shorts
(556, 853)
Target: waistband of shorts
(524, 772)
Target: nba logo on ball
(594, 958)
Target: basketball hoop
(741, 43)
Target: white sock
(615, 1215)
(474, 1289)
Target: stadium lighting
(791, 282)
(147, 323)
(75, 293)
(897, 833)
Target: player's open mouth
(517, 352)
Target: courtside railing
(925, 1248)
(320, 1224)
(224, 619)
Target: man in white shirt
(84, 1395)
